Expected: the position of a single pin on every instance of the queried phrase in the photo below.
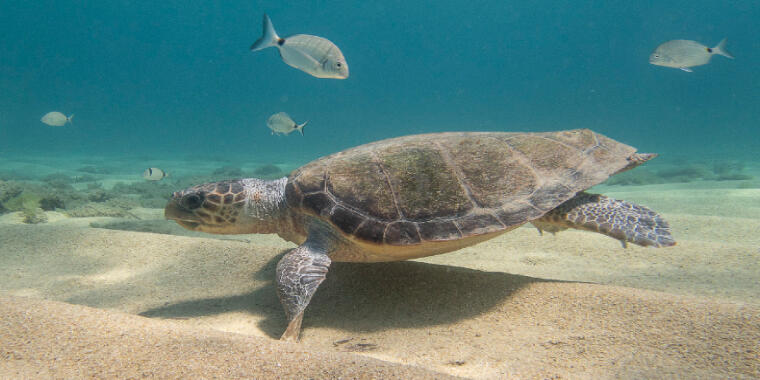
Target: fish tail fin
(721, 49)
(269, 37)
(299, 127)
(70, 119)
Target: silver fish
(311, 54)
(56, 119)
(154, 174)
(281, 123)
(684, 54)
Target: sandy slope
(43, 339)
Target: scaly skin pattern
(625, 221)
(298, 276)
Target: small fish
(154, 174)
(684, 54)
(311, 54)
(281, 123)
(56, 119)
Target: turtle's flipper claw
(293, 330)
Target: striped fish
(311, 54)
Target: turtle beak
(182, 216)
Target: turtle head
(241, 206)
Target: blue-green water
(176, 78)
(173, 85)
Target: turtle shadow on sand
(364, 297)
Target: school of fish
(321, 58)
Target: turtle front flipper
(618, 219)
(299, 274)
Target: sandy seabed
(78, 301)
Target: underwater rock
(34, 216)
(734, 177)
(8, 190)
(51, 202)
(730, 171)
(20, 196)
(28, 204)
(267, 169)
(58, 181)
(686, 173)
(228, 172)
(146, 194)
(679, 173)
(25, 200)
(95, 170)
(153, 203)
(14, 175)
(748, 185)
(97, 209)
(149, 189)
(114, 207)
(98, 195)
(726, 167)
(123, 203)
(635, 178)
(84, 178)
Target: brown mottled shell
(449, 186)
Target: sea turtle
(422, 195)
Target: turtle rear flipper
(625, 221)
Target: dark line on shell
(445, 154)
(359, 226)
(496, 217)
(565, 144)
(417, 228)
(597, 144)
(523, 159)
(376, 160)
(459, 229)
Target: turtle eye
(192, 201)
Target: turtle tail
(625, 221)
